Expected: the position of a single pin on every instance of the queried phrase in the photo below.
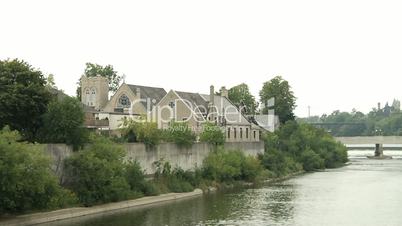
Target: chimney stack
(138, 92)
(224, 92)
(211, 95)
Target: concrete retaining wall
(185, 158)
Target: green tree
(23, 97)
(137, 131)
(50, 83)
(180, 133)
(285, 101)
(92, 70)
(223, 165)
(63, 123)
(212, 134)
(241, 97)
(301, 144)
(96, 174)
(26, 182)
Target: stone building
(127, 101)
(197, 109)
(155, 104)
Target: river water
(366, 192)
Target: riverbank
(39, 218)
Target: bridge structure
(372, 141)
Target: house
(197, 109)
(127, 101)
(156, 105)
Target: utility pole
(309, 108)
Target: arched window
(92, 96)
(123, 102)
(87, 97)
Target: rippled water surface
(366, 192)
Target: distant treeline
(383, 121)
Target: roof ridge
(145, 86)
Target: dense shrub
(251, 168)
(212, 134)
(222, 165)
(23, 97)
(176, 180)
(137, 131)
(311, 160)
(279, 163)
(180, 134)
(96, 174)
(301, 144)
(135, 176)
(26, 181)
(63, 123)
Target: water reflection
(366, 192)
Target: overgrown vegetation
(174, 180)
(97, 173)
(134, 130)
(137, 131)
(296, 147)
(23, 98)
(62, 123)
(26, 181)
(29, 103)
(228, 166)
(180, 134)
(212, 134)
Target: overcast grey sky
(340, 54)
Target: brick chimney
(138, 92)
(224, 92)
(211, 95)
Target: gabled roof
(201, 101)
(153, 93)
(196, 100)
(233, 115)
(268, 122)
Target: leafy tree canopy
(92, 70)
(63, 123)
(26, 181)
(212, 134)
(241, 97)
(23, 97)
(284, 99)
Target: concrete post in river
(379, 150)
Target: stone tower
(94, 91)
